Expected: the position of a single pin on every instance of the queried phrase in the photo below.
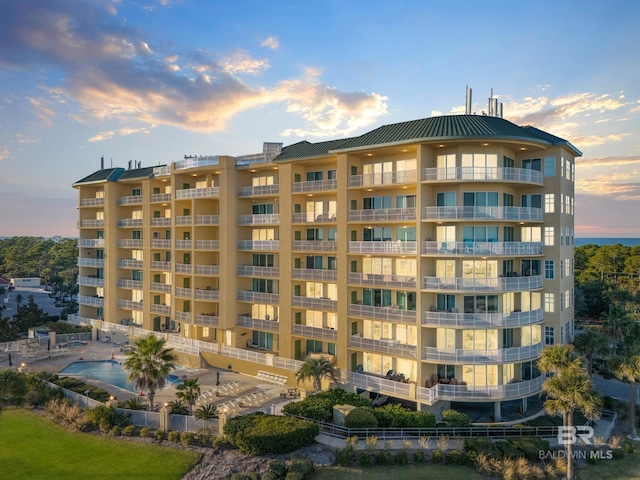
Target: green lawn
(627, 468)
(408, 472)
(32, 448)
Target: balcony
(502, 355)
(92, 242)
(527, 214)
(183, 316)
(207, 320)
(160, 309)
(129, 305)
(378, 383)
(194, 162)
(160, 198)
(252, 191)
(382, 215)
(129, 222)
(255, 271)
(130, 284)
(161, 222)
(377, 280)
(510, 391)
(207, 192)
(313, 218)
(389, 314)
(314, 246)
(184, 268)
(184, 220)
(387, 346)
(257, 324)
(308, 331)
(91, 282)
(164, 243)
(92, 202)
(314, 303)
(258, 297)
(184, 244)
(161, 287)
(91, 301)
(210, 295)
(92, 223)
(484, 249)
(207, 244)
(315, 186)
(130, 263)
(481, 320)
(130, 243)
(502, 284)
(207, 270)
(259, 219)
(315, 274)
(157, 265)
(482, 174)
(91, 262)
(207, 219)
(259, 245)
(130, 200)
(183, 292)
(384, 247)
(386, 178)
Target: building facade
(431, 260)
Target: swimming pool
(108, 371)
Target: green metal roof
(441, 128)
(104, 175)
(146, 172)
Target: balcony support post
(497, 415)
(524, 405)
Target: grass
(627, 468)
(33, 448)
(407, 472)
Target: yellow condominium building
(431, 259)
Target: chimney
(129, 165)
(102, 162)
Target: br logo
(570, 435)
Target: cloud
(121, 132)
(271, 42)
(42, 111)
(114, 71)
(4, 153)
(612, 184)
(607, 161)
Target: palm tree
(588, 343)
(148, 365)
(616, 324)
(19, 299)
(207, 412)
(189, 391)
(178, 407)
(316, 369)
(626, 366)
(570, 389)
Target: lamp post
(22, 366)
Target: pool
(107, 371)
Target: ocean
(626, 241)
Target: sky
(154, 80)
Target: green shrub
(456, 419)
(343, 456)
(278, 468)
(360, 418)
(161, 435)
(424, 419)
(457, 457)
(129, 430)
(418, 457)
(218, 441)
(174, 436)
(319, 406)
(629, 448)
(509, 450)
(106, 417)
(530, 446)
(364, 459)
(259, 434)
(303, 465)
(116, 431)
(618, 453)
(295, 476)
(271, 476)
(482, 446)
(401, 458)
(383, 458)
(186, 438)
(145, 432)
(438, 457)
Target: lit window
(549, 302)
(549, 236)
(549, 203)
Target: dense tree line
(605, 276)
(53, 261)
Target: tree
(189, 391)
(626, 366)
(148, 365)
(178, 407)
(616, 324)
(570, 389)
(19, 299)
(207, 412)
(316, 369)
(588, 343)
(13, 387)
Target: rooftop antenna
(467, 109)
(102, 162)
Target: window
(480, 304)
(549, 273)
(479, 234)
(561, 268)
(567, 169)
(480, 199)
(567, 268)
(312, 176)
(549, 335)
(136, 192)
(567, 300)
(446, 166)
(549, 203)
(532, 164)
(480, 340)
(377, 173)
(531, 234)
(446, 199)
(549, 236)
(446, 339)
(562, 301)
(479, 166)
(534, 201)
(262, 209)
(530, 335)
(405, 201)
(567, 204)
(562, 203)
(376, 203)
(572, 296)
(549, 302)
(550, 166)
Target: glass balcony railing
(506, 284)
(483, 174)
(483, 248)
(483, 213)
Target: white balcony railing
(388, 346)
(259, 219)
(130, 284)
(311, 217)
(160, 197)
(161, 309)
(248, 245)
(129, 222)
(207, 219)
(91, 262)
(161, 222)
(183, 292)
(382, 215)
(207, 320)
(390, 314)
(315, 274)
(481, 320)
(129, 243)
(164, 243)
(92, 242)
(157, 265)
(207, 192)
(252, 191)
(129, 305)
(258, 297)
(130, 200)
(207, 270)
(531, 214)
(184, 268)
(200, 161)
(91, 301)
(92, 223)
(92, 202)
(255, 271)
(328, 334)
(315, 186)
(91, 282)
(504, 284)
(207, 244)
(257, 323)
(313, 303)
(314, 246)
(482, 248)
(515, 389)
(386, 178)
(377, 280)
(184, 220)
(184, 244)
(501, 355)
(378, 384)
(129, 263)
(211, 295)
(396, 246)
(183, 316)
(483, 174)
(161, 287)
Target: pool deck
(246, 385)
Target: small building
(5, 283)
(26, 282)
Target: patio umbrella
(10, 362)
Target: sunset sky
(153, 80)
